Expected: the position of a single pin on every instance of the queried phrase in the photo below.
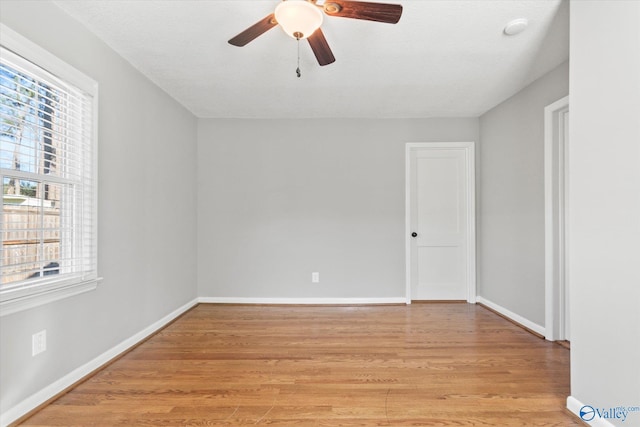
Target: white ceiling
(445, 58)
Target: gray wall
(279, 199)
(147, 203)
(604, 205)
(511, 198)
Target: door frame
(556, 185)
(469, 149)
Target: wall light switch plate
(315, 277)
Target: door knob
(414, 234)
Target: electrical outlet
(315, 277)
(38, 342)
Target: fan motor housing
(332, 8)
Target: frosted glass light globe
(298, 18)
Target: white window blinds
(47, 169)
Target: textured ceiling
(445, 58)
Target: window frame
(48, 289)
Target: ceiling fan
(301, 19)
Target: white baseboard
(302, 301)
(78, 374)
(574, 405)
(513, 316)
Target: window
(48, 151)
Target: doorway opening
(557, 288)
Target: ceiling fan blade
(321, 48)
(379, 12)
(257, 29)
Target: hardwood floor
(417, 365)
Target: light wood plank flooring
(418, 365)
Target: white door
(441, 221)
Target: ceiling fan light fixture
(298, 18)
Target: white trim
(574, 405)
(29, 50)
(552, 315)
(44, 295)
(407, 220)
(511, 315)
(470, 156)
(301, 301)
(40, 397)
(471, 222)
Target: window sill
(11, 304)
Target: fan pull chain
(298, 73)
